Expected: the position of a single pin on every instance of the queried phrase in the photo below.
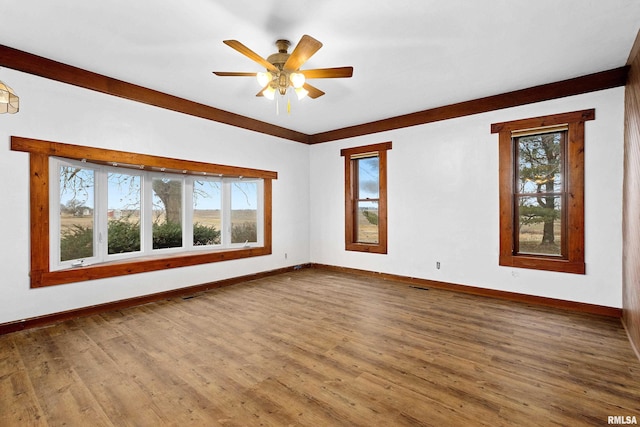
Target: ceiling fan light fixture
(269, 92)
(264, 78)
(283, 69)
(301, 92)
(297, 80)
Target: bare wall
(443, 204)
(58, 112)
(443, 196)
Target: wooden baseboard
(511, 296)
(49, 319)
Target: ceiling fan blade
(233, 74)
(328, 73)
(305, 48)
(314, 92)
(235, 44)
(261, 93)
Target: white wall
(57, 112)
(443, 204)
(443, 196)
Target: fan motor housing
(280, 58)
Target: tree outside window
(542, 191)
(99, 204)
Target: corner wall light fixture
(9, 101)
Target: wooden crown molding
(50, 69)
(576, 86)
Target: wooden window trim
(351, 154)
(40, 151)
(574, 261)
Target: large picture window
(101, 213)
(366, 198)
(542, 192)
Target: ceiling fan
(283, 68)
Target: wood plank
(60, 392)
(17, 396)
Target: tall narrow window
(244, 212)
(167, 212)
(366, 198)
(207, 212)
(124, 209)
(539, 193)
(76, 221)
(542, 192)
(367, 175)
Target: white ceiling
(408, 55)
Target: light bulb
(297, 80)
(264, 78)
(301, 92)
(269, 92)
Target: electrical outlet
(285, 255)
(438, 265)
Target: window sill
(543, 263)
(366, 247)
(141, 265)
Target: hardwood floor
(320, 348)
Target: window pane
(167, 213)
(368, 178)
(244, 212)
(539, 163)
(123, 213)
(367, 222)
(539, 225)
(77, 186)
(207, 202)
